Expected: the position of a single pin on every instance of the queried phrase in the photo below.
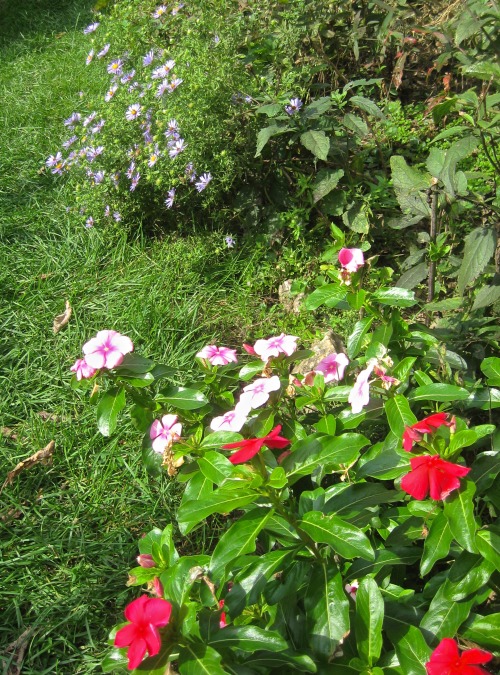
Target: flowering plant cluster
(139, 147)
(360, 501)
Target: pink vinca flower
(256, 394)
(141, 635)
(83, 370)
(360, 393)
(218, 356)
(351, 259)
(282, 344)
(352, 588)
(232, 420)
(333, 367)
(107, 349)
(163, 433)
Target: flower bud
(146, 560)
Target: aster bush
(360, 500)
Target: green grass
(68, 531)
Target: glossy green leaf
(485, 630)
(282, 662)
(182, 398)
(251, 369)
(459, 511)
(437, 543)
(395, 297)
(355, 339)
(368, 620)
(412, 651)
(214, 466)
(488, 544)
(248, 639)
(200, 659)
(439, 391)
(133, 364)
(358, 497)
(468, 574)
(330, 295)
(345, 539)
(399, 414)
(241, 538)
(179, 579)
(217, 439)
(485, 469)
(327, 610)
(443, 617)
(491, 368)
(138, 380)
(327, 425)
(108, 409)
(222, 500)
(384, 557)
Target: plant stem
(433, 234)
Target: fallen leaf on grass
(40, 457)
(9, 433)
(48, 417)
(17, 650)
(62, 319)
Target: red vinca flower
(428, 425)
(141, 635)
(249, 448)
(446, 660)
(431, 473)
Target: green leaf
(219, 438)
(139, 380)
(443, 617)
(355, 339)
(183, 398)
(215, 467)
(317, 142)
(267, 133)
(134, 364)
(327, 425)
(388, 557)
(488, 544)
(413, 276)
(487, 295)
(479, 247)
(459, 511)
(485, 469)
(248, 639)
(325, 182)
(239, 539)
(354, 499)
(110, 405)
(200, 659)
(485, 630)
(439, 391)
(345, 539)
(368, 620)
(436, 544)
(395, 297)
(399, 415)
(412, 651)
(249, 370)
(222, 500)
(355, 124)
(327, 610)
(444, 305)
(317, 108)
(468, 575)
(458, 151)
(367, 105)
(410, 187)
(330, 295)
(282, 661)
(491, 368)
(271, 109)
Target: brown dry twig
(40, 457)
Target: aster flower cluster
(150, 80)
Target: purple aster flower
(169, 202)
(111, 92)
(127, 77)
(174, 83)
(172, 129)
(229, 242)
(162, 89)
(154, 157)
(248, 99)
(190, 172)
(98, 177)
(91, 28)
(216, 39)
(115, 67)
(89, 222)
(107, 211)
(98, 127)
(130, 171)
(133, 112)
(294, 106)
(53, 160)
(115, 178)
(133, 87)
(71, 159)
(176, 148)
(93, 153)
(162, 71)
(159, 11)
(148, 138)
(117, 216)
(148, 59)
(67, 144)
(203, 182)
(177, 9)
(89, 119)
(103, 51)
(89, 58)
(135, 180)
(73, 119)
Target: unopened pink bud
(158, 587)
(146, 560)
(249, 349)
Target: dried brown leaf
(62, 319)
(397, 73)
(40, 457)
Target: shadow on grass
(29, 19)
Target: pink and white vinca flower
(218, 356)
(360, 393)
(256, 394)
(332, 367)
(164, 432)
(274, 346)
(82, 370)
(107, 349)
(233, 420)
(351, 259)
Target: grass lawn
(68, 531)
